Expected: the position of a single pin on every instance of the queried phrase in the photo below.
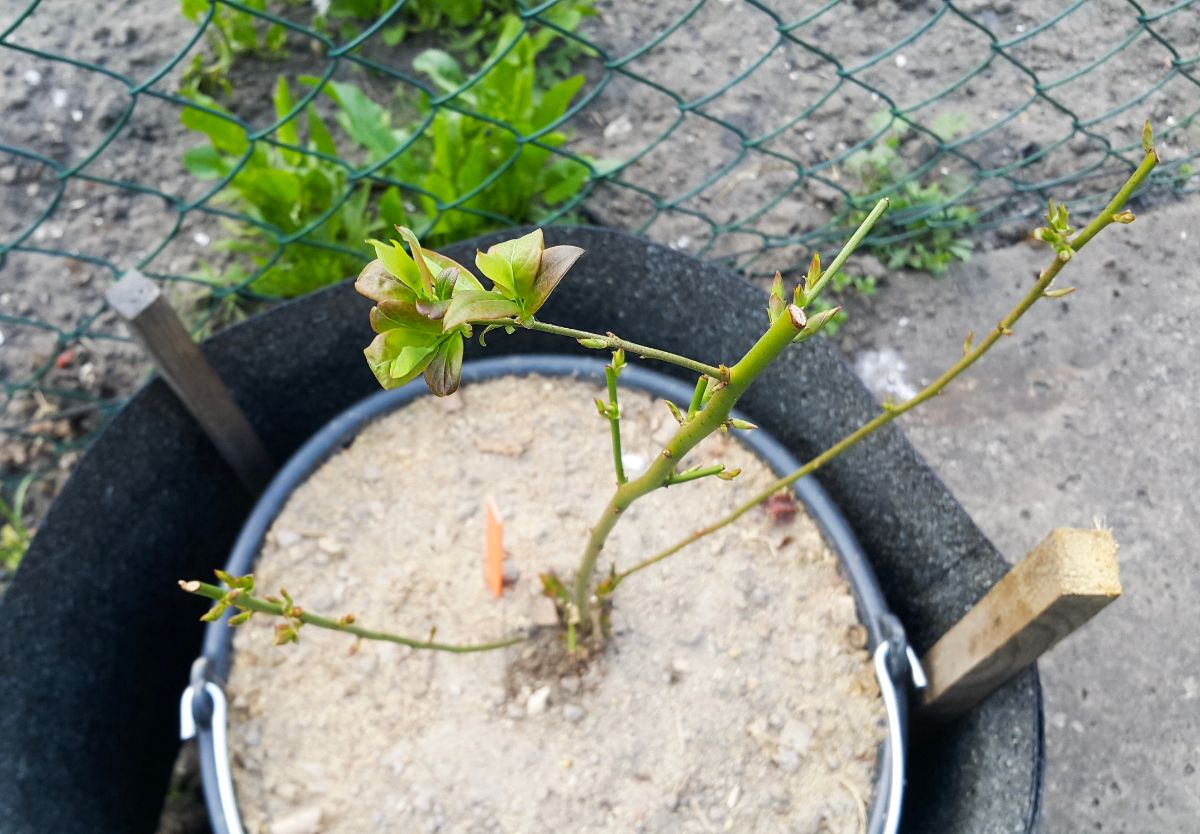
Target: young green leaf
(442, 374)
(401, 265)
(398, 356)
(524, 257)
(464, 281)
(378, 284)
(478, 305)
(389, 315)
(418, 257)
(498, 270)
(555, 263)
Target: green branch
(1040, 289)
(244, 600)
(847, 251)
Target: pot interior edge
(340, 431)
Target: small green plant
(15, 536)
(462, 174)
(476, 170)
(231, 33)
(1182, 173)
(427, 306)
(303, 195)
(926, 229)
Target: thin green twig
(245, 601)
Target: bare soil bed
(735, 693)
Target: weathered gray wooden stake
(140, 302)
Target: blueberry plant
(427, 306)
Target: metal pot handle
(202, 715)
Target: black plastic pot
(96, 640)
(885, 636)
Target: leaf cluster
(1058, 230)
(427, 303)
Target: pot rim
(203, 713)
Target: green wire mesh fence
(241, 151)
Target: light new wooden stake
(1063, 582)
(140, 302)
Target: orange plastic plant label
(493, 547)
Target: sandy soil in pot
(735, 695)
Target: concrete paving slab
(1087, 415)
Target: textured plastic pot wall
(95, 638)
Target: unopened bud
(799, 319)
(675, 412)
(743, 425)
(1126, 217)
(822, 318)
(1065, 291)
(814, 272)
(347, 619)
(729, 474)
(593, 343)
(284, 633)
